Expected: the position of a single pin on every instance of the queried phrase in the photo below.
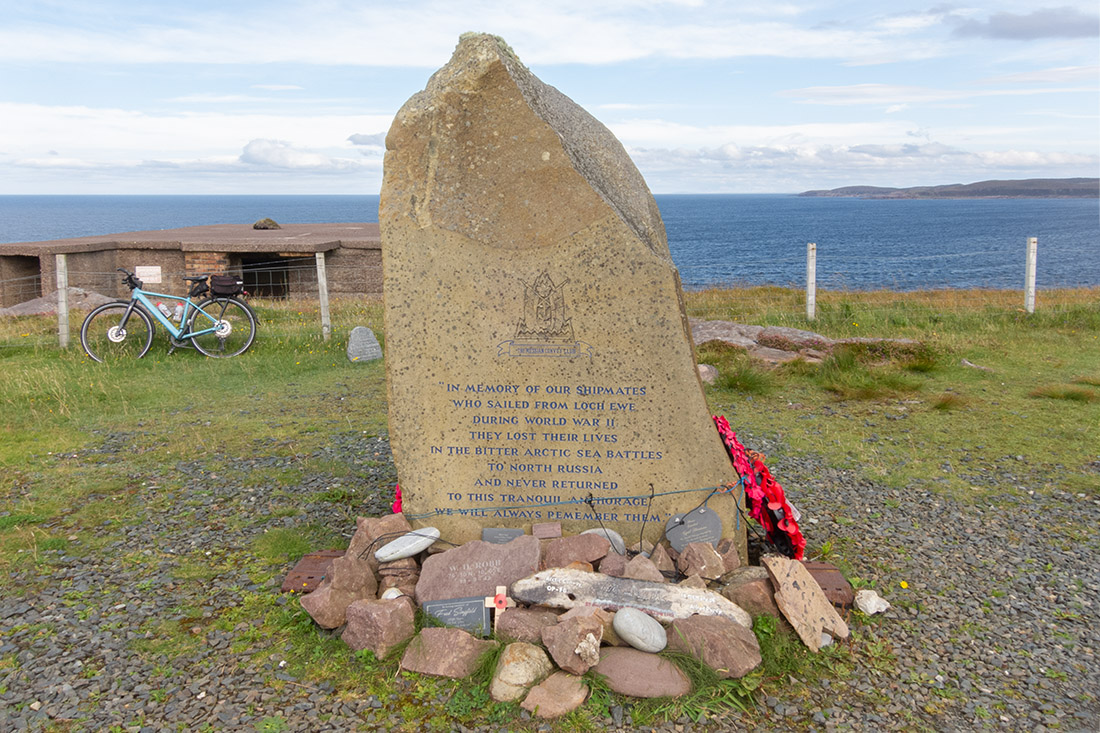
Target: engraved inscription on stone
(538, 358)
(500, 535)
(470, 614)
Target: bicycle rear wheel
(106, 339)
(234, 327)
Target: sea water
(716, 239)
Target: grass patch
(746, 379)
(1061, 392)
(19, 520)
(949, 401)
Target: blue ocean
(714, 239)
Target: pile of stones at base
(549, 599)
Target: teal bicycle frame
(180, 333)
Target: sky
(746, 96)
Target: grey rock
(363, 345)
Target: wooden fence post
(811, 280)
(62, 266)
(322, 287)
(1029, 274)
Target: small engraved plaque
(148, 273)
(698, 525)
(500, 535)
(469, 614)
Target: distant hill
(1027, 188)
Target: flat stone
(640, 630)
(574, 643)
(407, 545)
(783, 337)
(802, 601)
(569, 589)
(444, 652)
(660, 558)
(521, 244)
(350, 579)
(363, 345)
(564, 550)
(728, 648)
(616, 539)
(520, 666)
(707, 374)
(613, 564)
(606, 619)
(546, 530)
(640, 674)
(769, 355)
(751, 588)
(525, 624)
(477, 568)
(557, 695)
(693, 581)
(700, 558)
(641, 567)
(833, 583)
(731, 558)
(735, 334)
(379, 625)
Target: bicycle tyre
(236, 332)
(104, 341)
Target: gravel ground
(998, 628)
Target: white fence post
(62, 266)
(322, 287)
(811, 280)
(1029, 274)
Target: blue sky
(756, 96)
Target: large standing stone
(537, 347)
(477, 568)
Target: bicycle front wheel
(106, 338)
(233, 324)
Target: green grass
(895, 414)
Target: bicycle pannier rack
(224, 285)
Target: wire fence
(327, 291)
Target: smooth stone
(638, 674)
(616, 539)
(639, 630)
(408, 545)
(392, 593)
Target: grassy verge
(80, 443)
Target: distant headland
(1031, 188)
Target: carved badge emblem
(545, 328)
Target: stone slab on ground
(640, 674)
(802, 601)
(444, 652)
(729, 649)
(557, 695)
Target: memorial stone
(363, 345)
(540, 367)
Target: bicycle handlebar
(130, 280)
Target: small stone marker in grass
(363, 345)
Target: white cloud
(281, 154)
(879, 94)
(1061, 75)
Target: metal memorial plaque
(500, 535)
(698, 525)
(469, 614)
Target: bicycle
(220, 325)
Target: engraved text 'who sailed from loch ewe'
(538, 358)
